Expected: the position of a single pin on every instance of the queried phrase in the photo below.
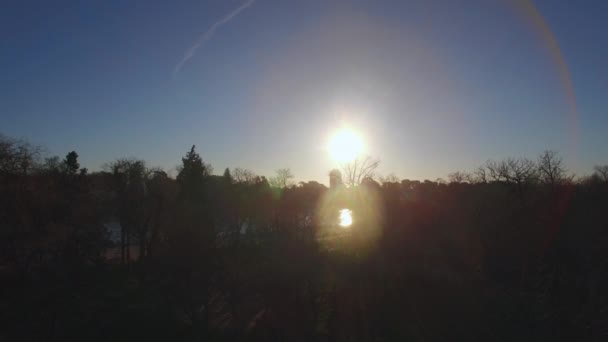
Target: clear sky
(433, 86)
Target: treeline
(516, 249)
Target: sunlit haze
(345, 146)
(432, 86)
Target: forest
(516, 249)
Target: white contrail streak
(209, 33)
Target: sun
(345, 145)
(346, 218)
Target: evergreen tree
(228, 176)
(192, 175)
(71, 163)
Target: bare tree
(518, 174)
(52, 164)
(551, 170)
(480, 175)
(460, 177)
(512, 171)
(601, 172)
(130, 177)
(241, 175)
(390, 178)
(493, 172)
(283, 178)
(355, 171)
(521, 170)
(18, 156)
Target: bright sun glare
(345, 146)
(346, 217)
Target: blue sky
(434, 86)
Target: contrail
(209, 33)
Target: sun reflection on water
(346, 218)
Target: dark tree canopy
(514, 250)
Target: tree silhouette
(601, 172)
(514, 250)
(228, 176)
(129, 188)
(458, 177)
(551, 169)
(52, 164)
(283, 179)
(71, 163)
(390, 178)
(359, 169)
(244, 176)
(192, 175)
(18, 156)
